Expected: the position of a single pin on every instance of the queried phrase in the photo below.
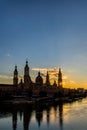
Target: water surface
(69, 116)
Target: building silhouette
(28, 86)
(27, 78)
(39, 80)
(15, 77)
(47, 79)
(55, 84)
(59, 78)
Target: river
(68, 116)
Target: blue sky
(49, 33)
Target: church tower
(27, 79)
(59, 78)
(47, 79)
(15, 78)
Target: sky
(49, 34)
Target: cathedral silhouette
(27, 85)
(38, 81)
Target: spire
(59, 78)
(59, 70)
(26, 62)
(26, 69)
(47, 79)
(27, 78)
(15, 67)
(15, 71)
(39, 73)
(15, 78)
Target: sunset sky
(48, 33)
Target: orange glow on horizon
(68, 81)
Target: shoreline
(31, 101)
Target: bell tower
(59, 78)
(27, 79)
(15, 78)
(47, 79)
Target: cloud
(46, 69)
(65, 77)
(53, 73)
(39, 69)
(6, 77)
(43, 75)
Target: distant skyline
(48, 33)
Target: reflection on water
(45, 116)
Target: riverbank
(34, 100)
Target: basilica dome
(39, 79)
